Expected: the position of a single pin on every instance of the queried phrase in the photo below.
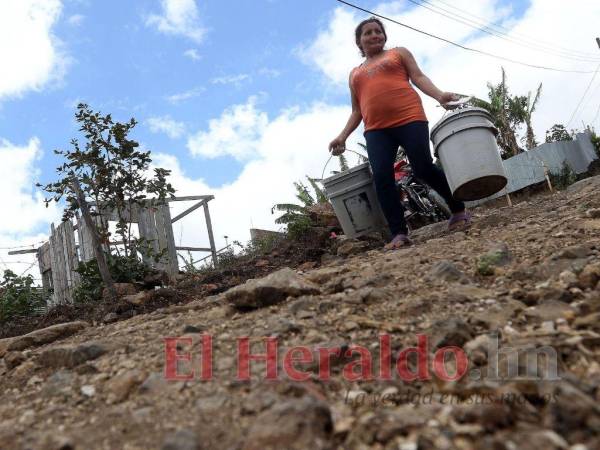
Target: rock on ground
(527, 320)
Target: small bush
(123, 269)
(596, 143)
(487, 263)
(226, 259)
(18, 296)
(299, 227)
(564, 178)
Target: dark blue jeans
(382, 147)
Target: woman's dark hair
(358, 31)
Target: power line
(459, 45)
(596, 116)
(583, 96)
(541, 43)
(590, 101)
(28, 268)
(17, 262)
(499, 34)
(23, 246)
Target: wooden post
(171, 250)
(211, 238)
(87, 217)
(547, 177)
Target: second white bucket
(465, 142)
(352, 195)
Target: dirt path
(523, 279)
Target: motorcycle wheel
(421, 215)
(442, 209)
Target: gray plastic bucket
(352, 195)
(465, 142)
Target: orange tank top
(385, 95)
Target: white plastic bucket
(352, 195)
(465, 142)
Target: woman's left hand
(447, 97)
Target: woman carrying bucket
(393, 115)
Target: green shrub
(564, 178)
(226, 259)
(596, 142)
(299, 227)
(486, 263)
(123, 269)
(18, 296)
(262, 245)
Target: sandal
(398, 241)
(460, 220)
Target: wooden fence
(60, 256)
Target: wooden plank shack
(43, 257)
(59, 258)
(203, 203)
(63, 261)
(155, 226)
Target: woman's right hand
(337, 146)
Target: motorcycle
(422, 205)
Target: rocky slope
(528, 275)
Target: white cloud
(193, 54)
(178, 17)
(187, 95)
(269, 73)
(282, 149)
(23, 209)
(279, 151)
(235, 80)
(25, 264)
(235, 133)
(167, 125)
(76, 20)
(29, 51)
(333, 53)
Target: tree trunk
(87, 217)
(530, 143)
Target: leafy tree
(18, 296)
(343, 163)
(509, 113)
(362, 158)
(297, 216)
(530, 141)
(558, 133)
(106, 173)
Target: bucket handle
(458, 104)
(331, 156)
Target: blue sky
(119, 63)
(240, 98)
